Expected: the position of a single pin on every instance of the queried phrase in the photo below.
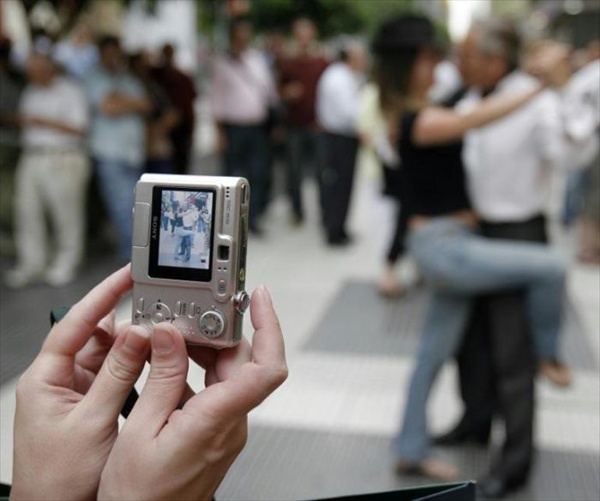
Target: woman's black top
(434, 177)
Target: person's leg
(66, 192)
(9, 159)
(181, 141)
(513, 364)
(473, 264)
(319, 140)
(232, 155)
(444, 324)
(160, 166)
(117, 183)
(388, 285)
(29, 224)
(257, 149)
(328, 178)
(295, 155)
(339, 179)
(476, 382)
(347, 164)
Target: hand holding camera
(67, 444)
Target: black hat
(406, 32)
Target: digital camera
(188, 261)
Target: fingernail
(264, 292)
(162, 341)
(136, 340)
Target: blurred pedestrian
(118, 135)
(377, 158)
(275, 52)
(455, 262)
(582, 116)
(52, 177)
(243, 90)
(77, 54)
(12, 83)
(181, 92)
(299, 75)
(161, 120)
(338, 97)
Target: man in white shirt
(242, 92)
(508, 169)
(52, 177)
(338, 98)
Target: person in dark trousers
(337, 108)
(496, 363)
(243, 91)
(299, 74)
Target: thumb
(118, 374)
(164, 388)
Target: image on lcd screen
(186, 229)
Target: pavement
(326, 432)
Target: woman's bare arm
(437, 125)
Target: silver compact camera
(188, 261)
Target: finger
(221, 364)
(73, 331)
(92, 355)
(107, 324)
(268, 347)
(165, 385)
(118, 374)
(188, 393)
(254, 381)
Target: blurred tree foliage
(332, 17)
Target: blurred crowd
(83, 110)
(464, 139)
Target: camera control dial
(212, 323)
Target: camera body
(188, 264)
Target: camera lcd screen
(183, 247)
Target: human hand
(114, 104)
(69, 399)
(166, 452)
(292, 91)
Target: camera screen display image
(185, 239)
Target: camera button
(241, 302)
(158, 312)
(222, 287)
(212, 324)
(140, 305)
(193, 310)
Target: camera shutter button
(212, 324)
(241, 302)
